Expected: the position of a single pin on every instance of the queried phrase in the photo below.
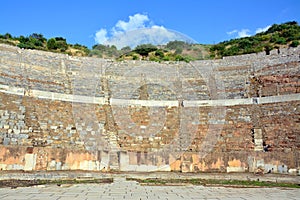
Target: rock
(293, 171)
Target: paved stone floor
(122, 189)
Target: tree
(99, 47)
(126, 49)
(34, 41)
(60, 39)
(7, 36)
(38, 36)
(23, 39)
(175, 45)
(51, 44)
(145, 49)
(62, 45)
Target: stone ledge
(150, 103)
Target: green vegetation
(154, 53)
(39, 42)
(13, 183)
(107, 51)
(57, 43)
(209, 182)
(276, 37)
(145, 49)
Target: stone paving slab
(122, 189)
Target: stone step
(258, 148)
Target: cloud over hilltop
(139, 29)
(246, 32)
(259, 30)
(239, 33)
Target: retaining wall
(239, 113)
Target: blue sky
(91, 21)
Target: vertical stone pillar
(124, 160)
(104, 162)
(258, 139)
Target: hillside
(39, 42)
(276, 37)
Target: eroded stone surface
(237, 114)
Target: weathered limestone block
(30, 162)
(270, 168)
(282, 169)
(16, 131)
(6, 126)
(58, 166)
(51, 165)
(124, 160)
(292, 171)
(236, 166)
(235, 169)
(3, 166)
(6, 141)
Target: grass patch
(14, 183)
(215, 182)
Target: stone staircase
(110, 130)
(257, 130)
(32, 121)
(257, 133)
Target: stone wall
(239, 113)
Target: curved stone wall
(239, 113)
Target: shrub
(153, 58)
(60, 39)
(7, 36)
(280, 40)
(159, 53)
(268, 48)
(174, 45)
(26, 45)
(95, 52)
(294, 43)
(23, 39)
(233, 50)
(51, 44)
(178, 50)
(38, 37)
(135, 57)
(166, 58)
(145, 49)
(62, 45)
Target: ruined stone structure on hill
(235, 114)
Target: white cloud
(153, 35)
(232, 32)
(239, 33)
(244, 33)
(135, 22)
(259, 30)
(137, 30)
(101, 36)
